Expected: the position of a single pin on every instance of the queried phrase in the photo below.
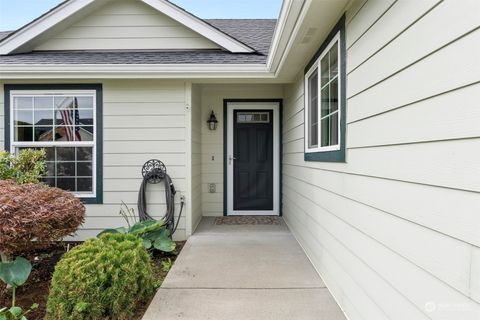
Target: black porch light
(212, 122)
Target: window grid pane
(329, 119)
(41, 119)
(313, 110)
(65, 174)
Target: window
(325, 101)
(64, 123)
(253, 117)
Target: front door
(253, 159)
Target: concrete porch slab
(243, 272)
(243, 261)
(246, 304)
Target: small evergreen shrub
(28, 167)
(103, 278)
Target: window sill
(326, 156)
(91, 200)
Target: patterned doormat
(250, 220)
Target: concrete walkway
(243, 272)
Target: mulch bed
(35, 290)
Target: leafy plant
(102, 278)
(27, 167)
(167, 264)
(34, 215)
(16, 313)
(6, 169)
(15, 274)
(154, 233)
(128, 214)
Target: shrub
(153, 233)
(35, 212)
(102, 278)
(28, 167)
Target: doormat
(250, 220)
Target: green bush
(103, 278)
(28, 167)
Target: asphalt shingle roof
(256, 33)
(4, 34)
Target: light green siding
(126, 24)
(212, 97)
(394, 231)
(143, 119)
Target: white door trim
(275, 106)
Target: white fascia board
(104, 71)
(44, 23)
(292, 14)
(199, 26)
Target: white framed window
(323, 100)
(63, 122)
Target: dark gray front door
(253, 160)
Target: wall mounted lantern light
(212, 122)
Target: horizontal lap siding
(212, 98)
(126, 24)
(143, 120)
(396, 227)
(2, 117)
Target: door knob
(230, 158)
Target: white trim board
(58, 144)
(199, 26)
(18, 42)
(275, 106)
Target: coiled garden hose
(154, 172)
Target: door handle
(230, 158)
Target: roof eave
(198, 25)
(30, 31)
(106, 71)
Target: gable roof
(4, 34)
(19, 40)
(257, 33)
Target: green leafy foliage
(15, 273)
(27, 167)
(167, 264)
(103, 278)
(16, 313)
(153, 233)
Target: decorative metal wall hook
(154, 171)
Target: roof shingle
(257, 33)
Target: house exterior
(357, 121)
